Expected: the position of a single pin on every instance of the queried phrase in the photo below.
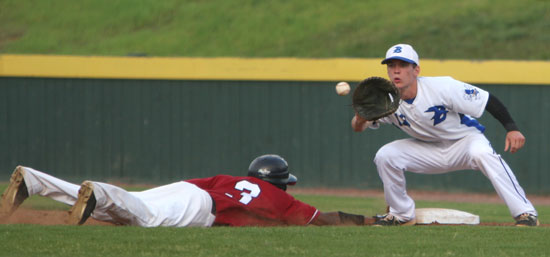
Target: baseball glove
(375, 98)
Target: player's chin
(399, 84)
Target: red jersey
(249, 201)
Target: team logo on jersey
(440, 113)
(471, 93)
(402, 120)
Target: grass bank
(480, 29)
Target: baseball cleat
(378, 217)
(84, 206)
(15, 194)
(390, 220)
(526, 220)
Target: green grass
(470, 29)
(36, 240)
(280, 241)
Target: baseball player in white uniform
(439, 114)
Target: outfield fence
(158, 123)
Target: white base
(445, 216)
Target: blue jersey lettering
(440, 113)
(402, 120)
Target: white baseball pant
(180, 204)
(473, 152)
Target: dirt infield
(42, 217)
(46, 217)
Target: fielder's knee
(385, 155)
(478, 154)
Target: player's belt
(213, 206)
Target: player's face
(402, 73)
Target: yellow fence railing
(272, 69)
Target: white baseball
(342, 88)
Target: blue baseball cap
(402, 52)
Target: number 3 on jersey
(252, 191)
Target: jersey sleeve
(465, 98)
(300, 213)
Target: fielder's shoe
(379, 217)
(84, 206)
(390, 220)
(527, 220)
(15, 194)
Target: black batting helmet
(273, 169)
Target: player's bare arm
(359, 124)
(341, 219)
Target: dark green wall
(159, 131)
